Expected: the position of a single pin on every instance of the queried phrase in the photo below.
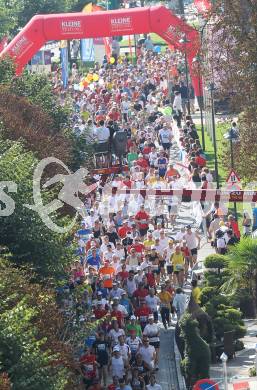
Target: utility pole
(181, 7)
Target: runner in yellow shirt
(165, 298)
(178, 262)
(196, 292)
(149, 241)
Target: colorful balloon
(112, 60)
(157, 49)
(95, 77)
(89, 77)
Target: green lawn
(223, 172)
(209, 150)
(157, 40)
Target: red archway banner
(158, 19)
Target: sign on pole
(205, 384)
(233, 181)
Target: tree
(30, 110)
(21, 119)
(8, 16)
(23, 232)
(196, 364)
(243, 267)
(232, 63)
(32, 354)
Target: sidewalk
(238, 368)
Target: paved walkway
(169, 375)
(238, 368)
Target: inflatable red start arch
(158, 19)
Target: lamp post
(212, 89)
(184, 41)
(197, 60)
(224, 360)
(256, 358)
(181, 7)
(232, 137)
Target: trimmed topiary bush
(196, 364)
(216, 261)
(207, 294)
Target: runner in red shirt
(142, 313)
(88, 367)
(142, 218)
(114, 115)
(150, 279)
(140, 292)
(186, 253)
(127, 182)
(99, 312)
(138, 246)
(115, 313)
(122, 231)
(123, 274)
(142, 163)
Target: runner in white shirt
(165, 138)
(134, 343)
(124, 350)
(148, 352)
(157, 232)
(104, 248)
(117, 363)
(193, 242)
(152, 302)
(168, 252)
(152, 331)
(125, 106)
(102, 133)
(179, 302)
(153, 385)
(115, 333)
(164, 241)
(180, 235)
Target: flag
(64, 63)
(87, 48)
(203, 6)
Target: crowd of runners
(130, 267)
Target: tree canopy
(233, 63)
(32, 356)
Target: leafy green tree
(196, 364)
(32, 355)
(8, 16)
(232, 59)
(30, 110)
(242, 264)
(23, 232)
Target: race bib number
(89, 368)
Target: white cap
(133, 317)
